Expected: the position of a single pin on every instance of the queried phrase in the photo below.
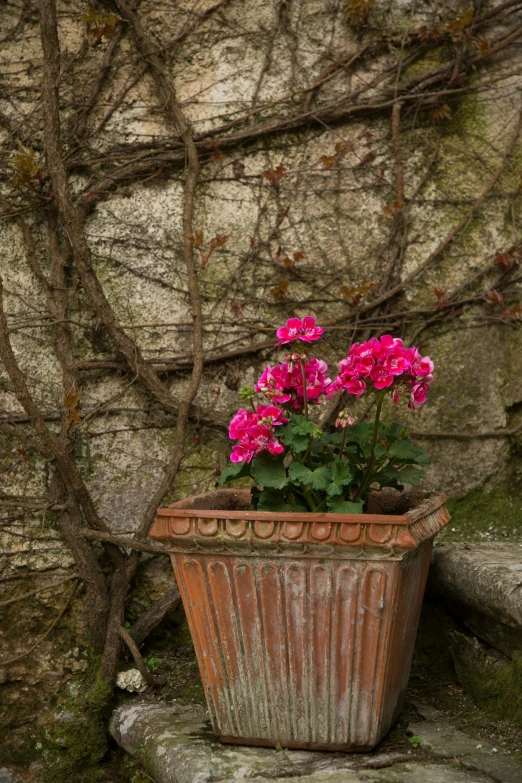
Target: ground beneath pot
(174, 744)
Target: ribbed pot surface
(303, 628)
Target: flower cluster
(296, 329)
(283, 383)
(382, 363)
(385, 362)
(254, 431)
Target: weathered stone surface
(446, 742)
(493, 680)
(175, 745)
(403, 773)
(483, 584)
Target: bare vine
(354, 109)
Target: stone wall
(287, 84)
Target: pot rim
(427, 506)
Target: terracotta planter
(303, 624)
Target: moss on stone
(77, 744)
(483, 515)
(494, 684)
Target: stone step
(174, 744)
(482, 585)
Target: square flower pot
(303, 624)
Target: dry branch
(154, 616)
(121, 541)
(149, 678)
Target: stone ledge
(482, 584)
(175, 745)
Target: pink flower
(418, 395)
(272, 384)
(254, 431)
(239, 424)
(361, 350)
(381, 377)
(269, 413)
(284, 382)
(275, 447)
(335, 388)
(357, 387)
(241, 453)
(390, 343)
(396, 362)
(423, 366)
(297, 329)
(365, 365)
(382, 361)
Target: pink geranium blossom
(381, 377)
(283, 383)
(385, 363)
(297, 329)
(254, 431)
(418, 395)
(355, 386)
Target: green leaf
(341, 472)
(272, 500)
(395, 431)
(320, 478)
(300, 426)
(317, 479)
(410, 475)
(361, 432)
(289, 437)
(299, 472)
(401, 449)
(285, 434)
(234, 471)
(270, 473)
(341, 506)
(299, 443)
(420, 456)
(341, 476)
(388, 473)
(332, 437)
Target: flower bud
(247, 393)
(344, 419)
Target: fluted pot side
(298, 643)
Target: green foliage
(270, 472)
(234, 471)
(100, 25)
(153, 663)
(26, 170)
(415, 741)
(318, 472)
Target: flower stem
(367, 475)
(343, 442)
(305, 401)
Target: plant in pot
(303, 594)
